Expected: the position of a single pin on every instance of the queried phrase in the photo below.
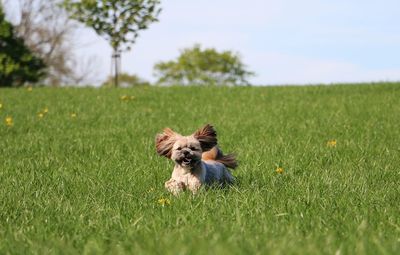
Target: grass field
(84, 177)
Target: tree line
(38, 47)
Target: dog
(198, 160)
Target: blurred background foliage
(47, 31)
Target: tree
(195, 66)
(118, 21)
(126, 80)
(49, 33)
(17, 63)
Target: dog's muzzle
(187, 160)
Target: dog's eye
(179, 148)
(193, 148)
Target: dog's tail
(216, 154)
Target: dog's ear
(207, 137)
(165, 141)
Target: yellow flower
(46, 110)
(40, 115)
(164, 201)
(1, 105)
(73, 115)
(279, 170)
(9, 121)
(127, 98)
(331, 143)
(29, 88)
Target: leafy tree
(50, 34)
(17, 64)
(195, 66)
(126, 80)
(118, 21)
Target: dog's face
(186, 150)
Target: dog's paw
(194, 186)
(174, 187)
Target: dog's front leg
(174, 186)
(194, 184)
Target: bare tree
(49, 33)
(84, 71)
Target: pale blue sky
(283, 41)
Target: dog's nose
(186, 153)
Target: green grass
(90, 184)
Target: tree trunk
(116, 66)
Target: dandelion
(45, 110)
(1, 105)
(279, 170)
(29, 88)
(331, 143)
(164, 201)
(73, 115)
(40, 115)
(127, 98)
(9, 121)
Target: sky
(282, 41)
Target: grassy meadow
(319, 171)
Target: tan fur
(198, 161)
(165, 141)
(216, 154)
(210, 155)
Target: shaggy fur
(198, 160)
